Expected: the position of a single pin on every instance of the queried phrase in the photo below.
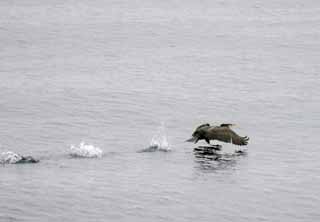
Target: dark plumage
(222, 133)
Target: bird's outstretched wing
(227, 125)
(202, 125)
(227, 135)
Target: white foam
(9, 157)
(85, 151)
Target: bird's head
(198, 134)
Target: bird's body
(221, 133)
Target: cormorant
(221, 133)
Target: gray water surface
(111, 72)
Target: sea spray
(9, 157)
(159, 141)
(85, 151)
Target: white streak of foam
(85, 151)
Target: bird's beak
(192, 139)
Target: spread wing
(227, 135)
(202, 125)
(227, 125)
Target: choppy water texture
(110, 72)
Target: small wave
(85, 151)
(159, 141)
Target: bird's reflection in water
(210, 159)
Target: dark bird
(221, 133)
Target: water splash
(9, 157)
(159, 141)
(85, 151)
